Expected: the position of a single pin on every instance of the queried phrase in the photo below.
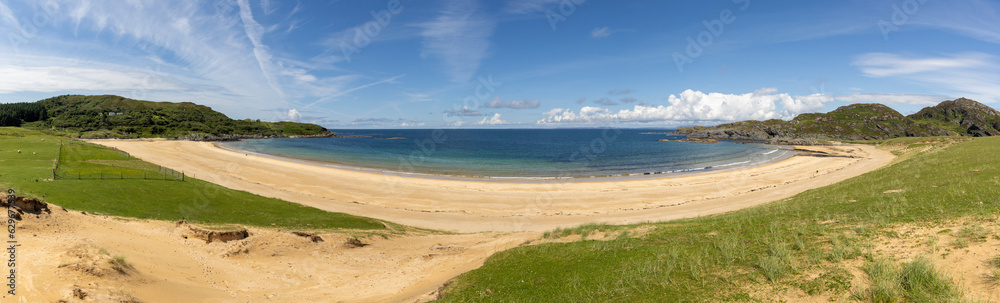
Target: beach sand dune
(75, 257)
(475, 206)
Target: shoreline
(787, 153)
(476, 206)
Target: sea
(512, 154)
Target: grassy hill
(114, 116)
(962, 117)
(884, 236)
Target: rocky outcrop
(974, 118)
(960, 117)
(23, 205)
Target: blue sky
(512, 63)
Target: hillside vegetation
(114, 116)
(961, 117)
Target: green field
(804, 243)
(149, 194)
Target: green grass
(194, 200)
(746, 255)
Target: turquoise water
(516, 153)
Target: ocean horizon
(516, 153)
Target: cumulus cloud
(515, 104)
(294, 115)
(693, 105)
(893, 99)
(495, 120)
(464, 112)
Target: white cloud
(459, 37)
(464, 112)
(515, 104)
(884, 64)
(211, 53)
(495, 120)
(530, 6)
(294, 115)
(969, 74)
(692, 105)
(261, 52)
(600, 32)
(8, 17)
(805, 104)
(76, 78)
(893, 99)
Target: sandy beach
(472, 206)
(70, 252)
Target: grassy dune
(809, 244)
(30, 173)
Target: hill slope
(961, 117)
(114, 116)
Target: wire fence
(112, 171)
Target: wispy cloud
(600, 32)
(8, 17)
(464, 112)
(260, 51)
(529, 6)
(972, 18)
(893, 99)
(619, 92)
(605, 102)
(969, 74)
(514, 104)
(459, 37)
(213, 53)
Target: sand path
(475, 206)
